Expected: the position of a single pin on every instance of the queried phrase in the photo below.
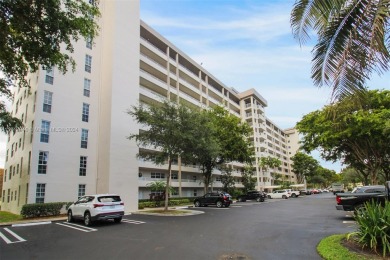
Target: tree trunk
(167, 187)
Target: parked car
(278, 194)
(293, 193)
(305, 192)
(218, 199)
(356, 199)
(259, 196)
(91, 208)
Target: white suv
(97, 207)
(278, 194)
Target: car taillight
(225, 197)
(98, 205)
(338, 199)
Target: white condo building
(76, 126)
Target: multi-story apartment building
(74, 140)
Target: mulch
(353, 246)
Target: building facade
(75, 137)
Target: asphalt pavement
(275, 229)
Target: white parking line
(77, 227)
(236, 206)
(13, 234)
(129, 221)
(348, 222)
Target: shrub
(374, 226)
(42, 209)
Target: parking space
(10, 237)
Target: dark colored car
(305, 192)
(219, 199)
(259, 196)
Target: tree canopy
(39, 33)
(353, 40)
(354, 132)
(304, 166)
(169, 129)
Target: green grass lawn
(8, 217)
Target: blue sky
(247, 44)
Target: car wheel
(261, 199)
(284, 197)
(87, 219)
(197, 204)
(219, 204)
(293, 195)
(118, 220)
(70, 216)
(227, 205)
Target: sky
(248, 44)
(245, 44)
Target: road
(275, 229)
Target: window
(32, 132)
(157, 175)
(87, 87)
(42, 162)
(174, 176)
(218, 178)
(8, 195)
(84, 138)
(89, 43)
(47, 100)
(88, 63)
(81, 190)
(45, 128)
(195, 193)
(5, 175)
(83, 166)
(49, 76)
(85, 115)
(40, 193)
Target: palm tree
(353, 41)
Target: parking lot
(274, 229)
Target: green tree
(304, 166)
(227, 179)
(351, 176)
(352, 40)
(39, 33)
(248, 180)
(169, 129)
(226, 141)
(268, 163)
(352, 131)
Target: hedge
(42, 209)
(154, 204)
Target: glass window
(81, 190)
(40, 193)
(85, 115)
(45, 129)
(89, 43)
(87, 87)
(88, 63)
(42, 162)
(47, 101)
(83, 166)
(84, 138)
(49, 76)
